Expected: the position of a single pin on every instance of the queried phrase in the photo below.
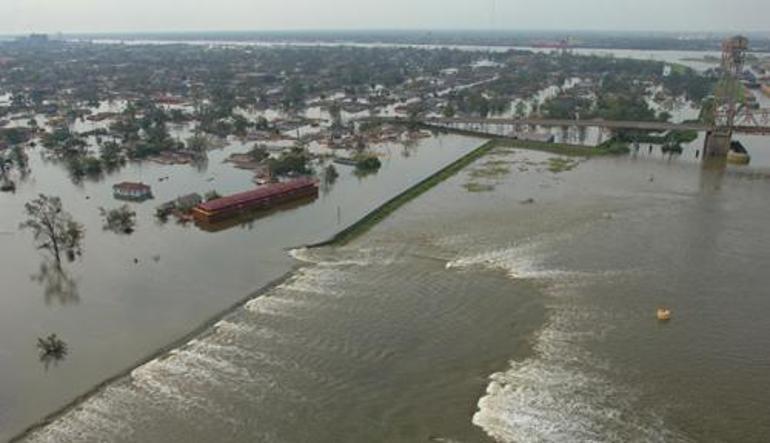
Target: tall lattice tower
(730, 92)
(729, 97)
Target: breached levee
(88, 409)
(173, 383)
(381, 212)
(226, 364)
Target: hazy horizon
(143, 16)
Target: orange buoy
(664, 314)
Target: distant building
(38, 38)
(34, 39)
(132, 191)
(532, 136)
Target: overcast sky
(22, 16)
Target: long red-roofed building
(263, 197)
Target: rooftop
(255, 194)
(131, 186)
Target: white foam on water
(564, 393)
(278, 306)
(166, 382)
(306, 255)
(519, 262)
(316, 280)
(343, 257)
(190, 380)
(230, 328)
(85, 423)
(177, 384)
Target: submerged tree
(259, 153)
(120, 220)
(199, 144)
(335, 112)
(53, 228)
(5, 165)
(52, 349)
(212, 195)
(366, 165)
(521, 109)
(330, 174)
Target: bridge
(457, 122)
(730, 112)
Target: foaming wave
(518, 262)
(277, 306)
(306, 255)
(97, 417)
(318, 280)
(328, 257)
(231, 328)
(564, 393)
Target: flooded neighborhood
(383, 237)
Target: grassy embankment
(387, 208)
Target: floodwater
(114, 312)
(472, 316)
(465, 316)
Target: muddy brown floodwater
(524, 312)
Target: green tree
(521, 109)
(120, 220)
(111, 154)
(330, 174)
(259, 153)
(295, 161)
(53, 228)
(449, 111)
(212, 195)
(5, 165)
(335, 112)
(198, 144)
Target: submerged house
(264, 197)
(132, 191)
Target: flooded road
(522, 313)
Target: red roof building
(263, 197)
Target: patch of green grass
(561, 164)
(382, 212)
(478, 187)
(490, 171)
(493, 168)
(497, 162)
(555, 148)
